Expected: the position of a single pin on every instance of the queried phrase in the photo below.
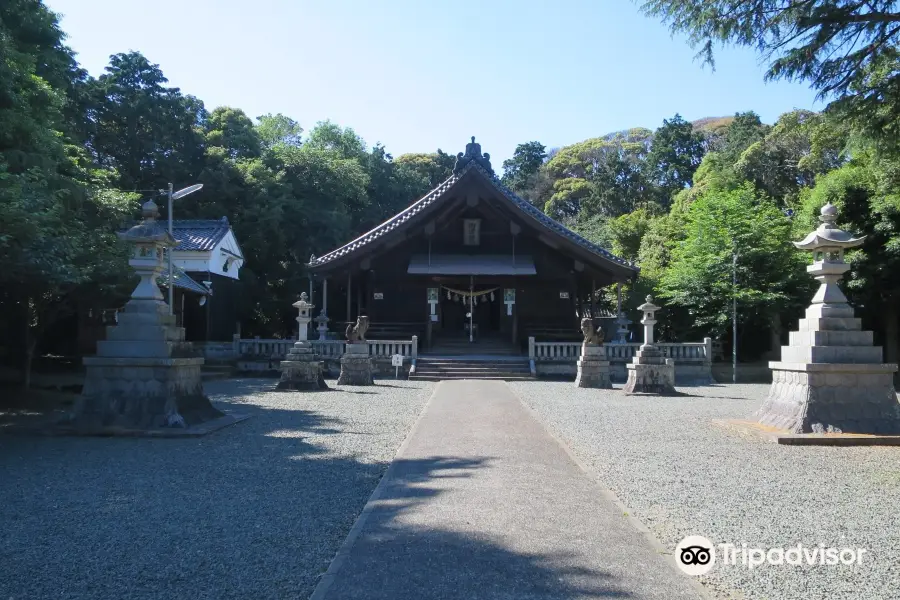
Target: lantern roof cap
(648, 305)
(828, 235)
(303, 302)
(149, 230)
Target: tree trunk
(775, 338)
(891, 332)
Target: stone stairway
(438, 368)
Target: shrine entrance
(478, 309)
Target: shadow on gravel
(395, 558)
(257, 510)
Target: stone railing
(265, 355)
(693, 360)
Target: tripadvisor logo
(696, 555)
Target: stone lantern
(830, 376)
(301, 368)
(649, 372)
(145, 377)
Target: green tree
(431, 167)
(149, 133)
(675, 154)
(524, 165)
(770, 272)
(846, 49)
(230, 128)
(278, 129)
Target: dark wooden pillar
(349, 296)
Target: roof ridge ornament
(473, 154)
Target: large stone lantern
(830, 377)
(301, 368)
(650, 372)
(145, 377)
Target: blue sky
(422, 75)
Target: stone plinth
(830, 377)
(593, 368)
(356, 365)
(145, 377)
(301, 369)
(650, 373)
(820, 398)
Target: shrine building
(470, 264)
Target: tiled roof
(183, 281)
(199, 235)
(436, 194)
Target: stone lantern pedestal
(593, 368)
(145, 377)
(650, 372)
(830, 377)
(301, 368)
(356, 365)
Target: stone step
(831, 324)
(418, 377)
(127, 333)
(831, 338)
(832, 354)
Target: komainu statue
(591, 335)
(357, 332)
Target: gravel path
(681, 476)
(256, 510)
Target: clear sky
(421, 75)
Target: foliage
(524, 165)
(845, 49)
(674, 156)
(720, 225)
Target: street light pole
(734, 258)
(172, 197)
(169, 251)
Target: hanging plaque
(378, 295)
(564, 295)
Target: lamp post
(172, 197)
(734, 257)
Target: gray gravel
(681, 475)
(256, 510)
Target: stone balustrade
(261, 355)
(693, 360)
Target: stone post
(650, 372)
(145, 377)
(830, 376)
(301, 368)
(593, 368)
(356, 364)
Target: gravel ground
(681, 475)
(256, 510)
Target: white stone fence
(265, 355)
(693, 360)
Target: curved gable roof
(414, 212)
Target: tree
(147, 132)
(846, 49)
(433, 168)
(230, 128)
(770, 272)
(524, 165)
(601, 176)
(675, 153)
(278, 129)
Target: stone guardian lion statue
(357, 333)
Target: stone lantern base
(831, 378)
(651, 373)
(301, 369)
(593, 368)
(356, 365)
(145, 378)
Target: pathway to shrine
(482, 502)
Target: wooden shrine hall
(469, 263)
